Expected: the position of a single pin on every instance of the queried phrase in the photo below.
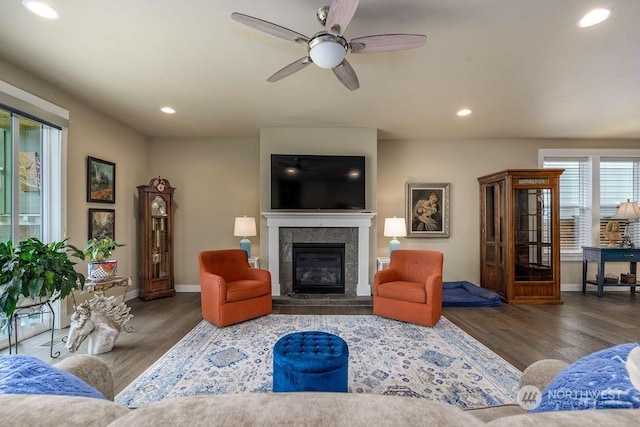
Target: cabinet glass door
(493, 237)
(532, 224)
(160, 238)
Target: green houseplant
(36, 270)
(98, 250)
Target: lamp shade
(245, 226)
(394, 227)
(628, 210)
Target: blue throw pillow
(21, 374)
(607, 379)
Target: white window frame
(594, 156)
(54, 168)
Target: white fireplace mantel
(360, 220)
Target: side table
(602, 255)
(383, 262)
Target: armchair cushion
(405, 291)
(245, 289)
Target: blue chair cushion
(22, 374)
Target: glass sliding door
(22, 195)
(29, 178)
(6, 193)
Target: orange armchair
(411, 288)
(230, 290)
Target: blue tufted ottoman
(310, 361)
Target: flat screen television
(314, 182)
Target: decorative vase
(102, 270)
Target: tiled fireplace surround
(352, 229)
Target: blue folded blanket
(601, 380)
(465, 294)
(22, 374)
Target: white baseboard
(187, 288)
(565, 287)
(133, 294)
(570, 287)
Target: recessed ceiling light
(464, 112)
(594, 17)
(41, 9)
(168, 110)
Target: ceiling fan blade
(387, 43)
(270, 28)
(344, 72)
(290, 69)
(340, 14)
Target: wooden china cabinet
(520, 235)
(155, 239)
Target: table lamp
(627, 210)
(245, 226)
(394, 227)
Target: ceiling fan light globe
(327, 54)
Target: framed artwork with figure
(427, 209)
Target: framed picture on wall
(102, 222)
(427, 210)
(101, 181)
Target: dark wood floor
(521, 334)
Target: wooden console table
(604, 255)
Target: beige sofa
(322, 409)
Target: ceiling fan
(328, 48)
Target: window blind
(575, 202)
(619, 182)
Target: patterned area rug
(385, 357)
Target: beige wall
(223, 178)
(460, 163)
(216, 180)
(94, 134)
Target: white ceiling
(522, 66)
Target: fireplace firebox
(318, 268)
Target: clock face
(158, 206)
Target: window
(592, 187)
(31, 175)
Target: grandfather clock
(155, 239)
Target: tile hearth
(321, 300)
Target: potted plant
(98, 250)
(36, 270)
